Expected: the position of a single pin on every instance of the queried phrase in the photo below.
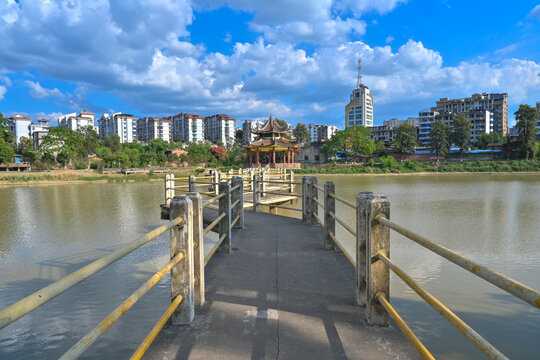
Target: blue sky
(249, 59)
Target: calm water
(48, 232)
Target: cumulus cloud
(3, 91)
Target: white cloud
(360, 7)
(39, 92)
(389, 39)
(535, 12)
(3, 91)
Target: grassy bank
(71, 176)
(390, 166)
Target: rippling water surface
(50, 231)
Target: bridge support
(329, 222)
(225, 223)
(198, 247)
(373, 276)
(182, 275)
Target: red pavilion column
(274, 156)
(257, 157)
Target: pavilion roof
(271, 126)
(269, 142)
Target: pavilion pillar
(274, 156)
(257, 157)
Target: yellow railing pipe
(40, 297)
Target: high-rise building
(321, 133)
(219, 128)
(76, 121)
(149, 128)
(249, 127)
(395, 123)
(359, 110)
(124, 125)
(187, 127)
(19, 126)
(497, 104)
(38, 132)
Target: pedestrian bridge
(249, 284)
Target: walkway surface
(279, 295)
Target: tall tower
(359, 110)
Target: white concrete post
(198, 247)
(314, 194)
(329, 221)
(182, 275)
(263, 182)
(256, 193)
(291, 181)
(215, 180)
(238, 194)
(305, 199)
(192, 187)
(361, 238)
(225, 223)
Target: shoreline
(433, 173)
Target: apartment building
(359, 110)
(384, 133)
(124, 125)
(76, 121)
(482, 122)
(149, 128)
(219, 127)
(496, 103)
(248, 129)
(395, 123)
(38, 132)
(187, 127)
(19, 126)
(321, 133)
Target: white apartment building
(395, 123)
(482, 122)
(19, 126)
(248, 127)
(187, 127)
(149, 128)
(38, 132)
(359, 110)
(124, 125)
(76, 121)
(220, 128)
(320, 133)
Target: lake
(47, 232)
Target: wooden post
(192, 187)
(305, 199)
(225, 223)
(198, 247)
(238, 194)
(182, 275)
(256, 194)
(314, 208)
(361, 238)
(329, 222)
(377, 273)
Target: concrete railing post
(376, 272)
(238, 194)
(329, 222)
(305, 199)
(251, 176)
(361, 239)
(215, 180)
(256, 193)
(167, 191)
(192, 187)
(225, 223)
(314, 208)
(182, 275)
(291, 181)
(263, 182)
(198, 247)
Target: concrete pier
(280, 295)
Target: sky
(293, 59)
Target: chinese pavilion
(271, 139)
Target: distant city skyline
(255, 61)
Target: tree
(358, 141)
(526, 118)
(61, 144)
(5, 134)
(491, 138)
(113, 143)
(219, 153)
(26, 149)
(6, 140)
(239, 136)
(380, 148)
(335, 145)
(405, 140)
(462, 133)
(439, 138)
(301, 134)
(90, 143)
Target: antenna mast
(359, 81)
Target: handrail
(347, 227)
(82, 345)
(214, 249)
(280, 182)
(503, 282)
(281, 207)
(213, 224)
(459, 324)
(318, 219)
(318, 203)
(236, 187)
(404, 328)
(145, 344)
(338, 198)
(234, 221)
(278, 193)
(318, 187)
(235, 203)
(343, 250)
(40, 297)
(213, 200)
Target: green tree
(335, 145)
(199, 153)
(301, 134)
(90, 143)
(6, 152)
(358, 141)
(26, 149)
(380, 148)
(113, 143)
(462, 133)
(62, 144)
(491, 138)
(5, 134)
(526, 118)
(405, 140)
(439, 138)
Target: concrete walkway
(279, 295)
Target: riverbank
(392, 167)
(75, 177)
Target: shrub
(388, 162)
(80, 166)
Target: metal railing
(373, 264)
